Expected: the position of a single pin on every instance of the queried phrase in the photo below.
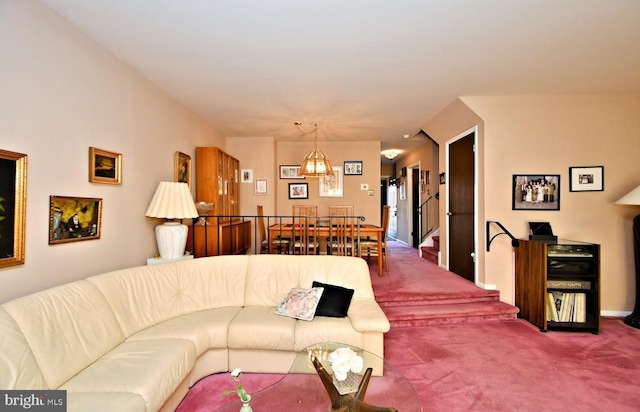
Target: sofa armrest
(367, 316)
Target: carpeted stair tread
(440, 299)
(400, 316)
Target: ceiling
(362, 69)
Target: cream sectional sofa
(136, 339)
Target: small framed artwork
(182, 168)
(443, 178)
(535, 192)
(105, 166)
(402, 191)
(13, 200)
(246, 176)
(290, 172)
(298, 191)
(74, 218)
(332, 186)
(586, 179)
(352, 168)
(261, 187)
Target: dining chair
(369, 247)
(304, 210)
(341, 239)
(341, 210)
(342, 235)
(305, 235)
(280, 244)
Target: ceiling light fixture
(390, 154)
(315, 163)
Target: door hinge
(473, 148)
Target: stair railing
(514, 241)
(423, 215)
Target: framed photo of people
(586, 179)
(535, 192)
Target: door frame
(474, 131)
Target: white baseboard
(614, 313)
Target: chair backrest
(261, 226)
(305, 232)
(385, 221)
(342, 234)
(304, 210)
(341, 210)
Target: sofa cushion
(67, 327)
(258, 327)
(144, 296)
(207, 329)
(300, 303)
(323, 329)
(335, 300)
(150, 368)
(17, 363)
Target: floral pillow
(300, 303)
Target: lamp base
(633, 320)
(172, 239)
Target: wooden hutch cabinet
(558, 284)
(217, 181)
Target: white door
(392, 200)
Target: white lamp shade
(172, 200)
(631, 198)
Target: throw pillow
(335, 300)
(300, 303)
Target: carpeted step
(405, 316)
(475, 295)
(430, 253)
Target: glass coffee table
(302, 389)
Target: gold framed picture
(182, 168)
(13, 199)
(105, 167)
(73, 219)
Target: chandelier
(315, 163)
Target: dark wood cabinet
(562, 276)
(217, 181)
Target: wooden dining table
(287, 229)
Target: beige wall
(530, 135)
(291, 153)
(425, 158)
(61, 94)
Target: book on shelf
(568, 284)
(566, 307)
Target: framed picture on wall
(298, 191)
(586, 179)
(105, 166)
(290, 172)
(535, 192)
(182, 168)
(13, 198)
(73, 219)
(332, 186)
(261, 187)
(352, 167)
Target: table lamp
(172, 200)
(633, 198)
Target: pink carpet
(492, 366)
(487, 366)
